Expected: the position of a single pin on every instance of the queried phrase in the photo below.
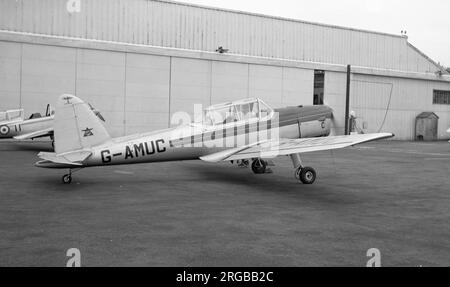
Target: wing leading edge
(37, 134)
(273, 149)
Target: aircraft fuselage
(194, 141)
(16, 128)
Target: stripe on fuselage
(286, 116)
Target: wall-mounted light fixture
(221, 50)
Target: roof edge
(440, 67)
(276, 17)
(82, 43)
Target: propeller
(97, 113)
(333, 121)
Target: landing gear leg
(305, 174)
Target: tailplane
(76, 127)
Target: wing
(272, 149)
(37, 134)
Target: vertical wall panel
(266, 83)
(298, 87)
(101, 81)
(47, 73)
(147, 93)
(334, 96)
(229, 82)
(10, 68)
(190, 84)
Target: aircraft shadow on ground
(221, 175)
(26, 146)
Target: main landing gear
(305, 174)
(259, 166)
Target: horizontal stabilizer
(71, 158)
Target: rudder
(76, 126)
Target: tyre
(67, 179)
(307, 175)
(259, 166)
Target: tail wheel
(307, 175)
(259, 166)
(67, 179)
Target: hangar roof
(163, 23)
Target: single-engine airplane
(14, 125)
(242, 130)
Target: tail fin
(76, 126)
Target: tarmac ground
(394, 196)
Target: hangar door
(370, 100)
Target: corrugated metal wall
(177, 25)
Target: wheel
(297, 173)
(243, 163)
(67, 179)
(307, 175)
(259, 166)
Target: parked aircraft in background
(242, 130)
(14, 125)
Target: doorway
(319, 87)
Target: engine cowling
(317, 128)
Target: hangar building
(139, 61)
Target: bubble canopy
(243, 110)
(12, 115)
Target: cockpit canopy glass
(11, 115)
(246, 110)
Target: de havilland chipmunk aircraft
(243, 130)
(14, 125)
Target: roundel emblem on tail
(4, 130)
